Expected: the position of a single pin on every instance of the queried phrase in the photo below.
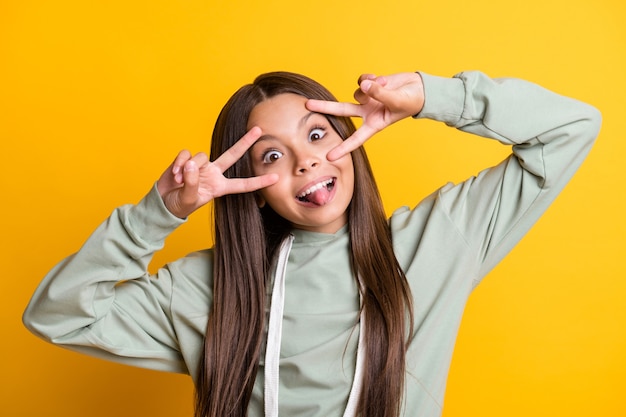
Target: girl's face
(312, 193)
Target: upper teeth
(315, 188)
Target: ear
(260, 201)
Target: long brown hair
(246, 240)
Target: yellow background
(96, 98)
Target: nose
(306, 161)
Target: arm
(83, 304)
(101, 300)
(550, 136)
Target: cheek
(255, 165)
(350, 178)
(275, 193)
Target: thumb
(376, 89)
(189, 192)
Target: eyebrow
(306, 118)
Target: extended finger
(246, 185)
(357, 139)
(235, 152)
(334, 108)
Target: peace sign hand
(382, 101)
(191, 182)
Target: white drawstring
(274, 335)
(357, 381)
(275, 331)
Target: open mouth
(318, 194)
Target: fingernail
(366, 85)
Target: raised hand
(192, 181)
(383, 100)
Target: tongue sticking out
(319, 197)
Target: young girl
(311, 302)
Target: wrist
(151, 219)
(444, 99)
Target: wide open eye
(271, 156)
(317, 133)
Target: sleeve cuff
(151, 220)
(444, 99)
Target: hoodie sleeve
(103, 302)
(549, 134)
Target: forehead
(282, 109)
